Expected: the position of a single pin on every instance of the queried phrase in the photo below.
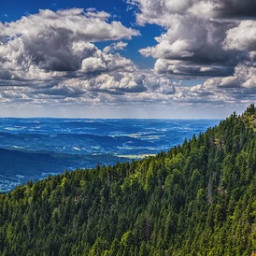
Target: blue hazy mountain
(34, 148)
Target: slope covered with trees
(197, 199)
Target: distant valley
(35, 148)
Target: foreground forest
(197, 199)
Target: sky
(127, 58)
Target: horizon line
(108, 118)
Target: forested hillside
(197, 199)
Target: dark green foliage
(197, 199)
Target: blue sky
(129, 58)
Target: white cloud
(242, 37)
(56, 41)
(158, 12)
(77, 25)
(51, 57)
(102, 61)
(185, 48)
(115, 47)
(211, 39)
(243, 77)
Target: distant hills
(32, 148)
(197, 199)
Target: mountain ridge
(197, 199)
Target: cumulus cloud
(112, 88)
(51, 57)
(193, 50)
(158, 12)
(57, 41)
(80, 25)
(210, 39)
(197, 42)
(242, 37)
(45, 50)
(115, 47)
(103, 61)
(243, 77)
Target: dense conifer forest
(197, 199)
